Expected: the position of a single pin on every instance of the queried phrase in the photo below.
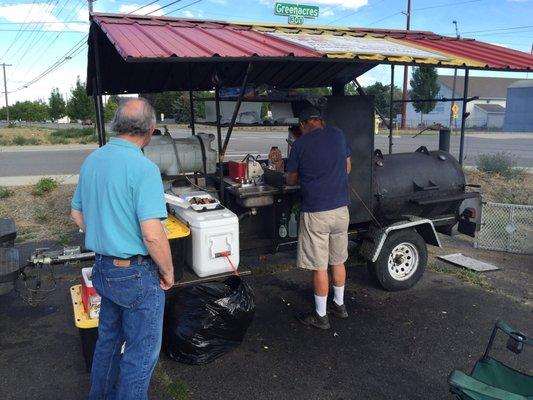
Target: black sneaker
(337, 311)
(315, 320)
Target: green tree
(80, 106)
(29, 111)
(424, 86)
(56, 105)
(381, 95)
(110, 108)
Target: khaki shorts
(323, 238)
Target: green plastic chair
(490, 379)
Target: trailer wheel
(401, 262)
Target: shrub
(44, 185)
(58, 140)
(22, 141)
(499, 163)
(72, 133)
(5, 192)
(88, 139)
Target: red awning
(143, 53)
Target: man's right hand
(166, 281)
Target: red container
(87, 290)
(237, 170)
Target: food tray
(199, 207)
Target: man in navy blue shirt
(320, 162)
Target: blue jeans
(131, 311)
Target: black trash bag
(205, 321)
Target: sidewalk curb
(44, 148)
(32, 179)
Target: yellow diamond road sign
(455, 110)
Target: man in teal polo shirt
(119, 204)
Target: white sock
(338, 295)
(321, 304)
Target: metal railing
(506, 227)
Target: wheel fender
(371, 249)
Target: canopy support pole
(219, 142)
(391, 105)
(236, 110)
(191, 104)
(463, 118)
(97, 88)
(191, 101)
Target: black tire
(408, 246)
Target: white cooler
(212, 234)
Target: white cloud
(38, 12)
(327, 13)
(188, 14)
(127, 8)
(351, 4)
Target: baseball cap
(308, 113)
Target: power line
(43, 22)
(20, 29)
(33, 30)
(355, 12)
(446, 5)
(181, 8)
(140, 8)
(160, 8)
(73, 12)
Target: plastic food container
(201, 195)
(90, 299)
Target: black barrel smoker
(399, 201)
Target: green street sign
(296, 10)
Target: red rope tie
(226, 254)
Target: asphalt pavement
(67, 159)
(400, 345)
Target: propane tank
(183, 155)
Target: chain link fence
(506, 227)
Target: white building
(486, 112)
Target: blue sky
(52, 27)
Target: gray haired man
(119, 203)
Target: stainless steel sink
(259, 190)
(254, 196)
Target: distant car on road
(87, 122)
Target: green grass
(465, 275)
(43, 186)
(24, 234)
(176, 389)
(22, 141)
(64, 239)
(5, 192)
(41, 216)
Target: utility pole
(90, 3)
(405, 71)
(4, 65)
(454, 77)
